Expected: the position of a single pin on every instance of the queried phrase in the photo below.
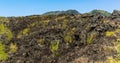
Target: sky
(36, 7)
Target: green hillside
(101, 12)
(61, 12)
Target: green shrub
(13, 48)
(9, 34)
(109, 33)
(54, 47)
(3, 55)
(41, 40)
(24, 32)
(2, 29)
(5, 31)
(68, 39)
(90, 38)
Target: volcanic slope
(64, 38)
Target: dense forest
(61, 37)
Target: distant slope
(61, 12)
(101, 12)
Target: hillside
(61, 12)
(101, 12)
(62, 38)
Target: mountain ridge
(61, 12)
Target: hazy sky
(30, 7)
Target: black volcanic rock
(66, 38)
(116, 13)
